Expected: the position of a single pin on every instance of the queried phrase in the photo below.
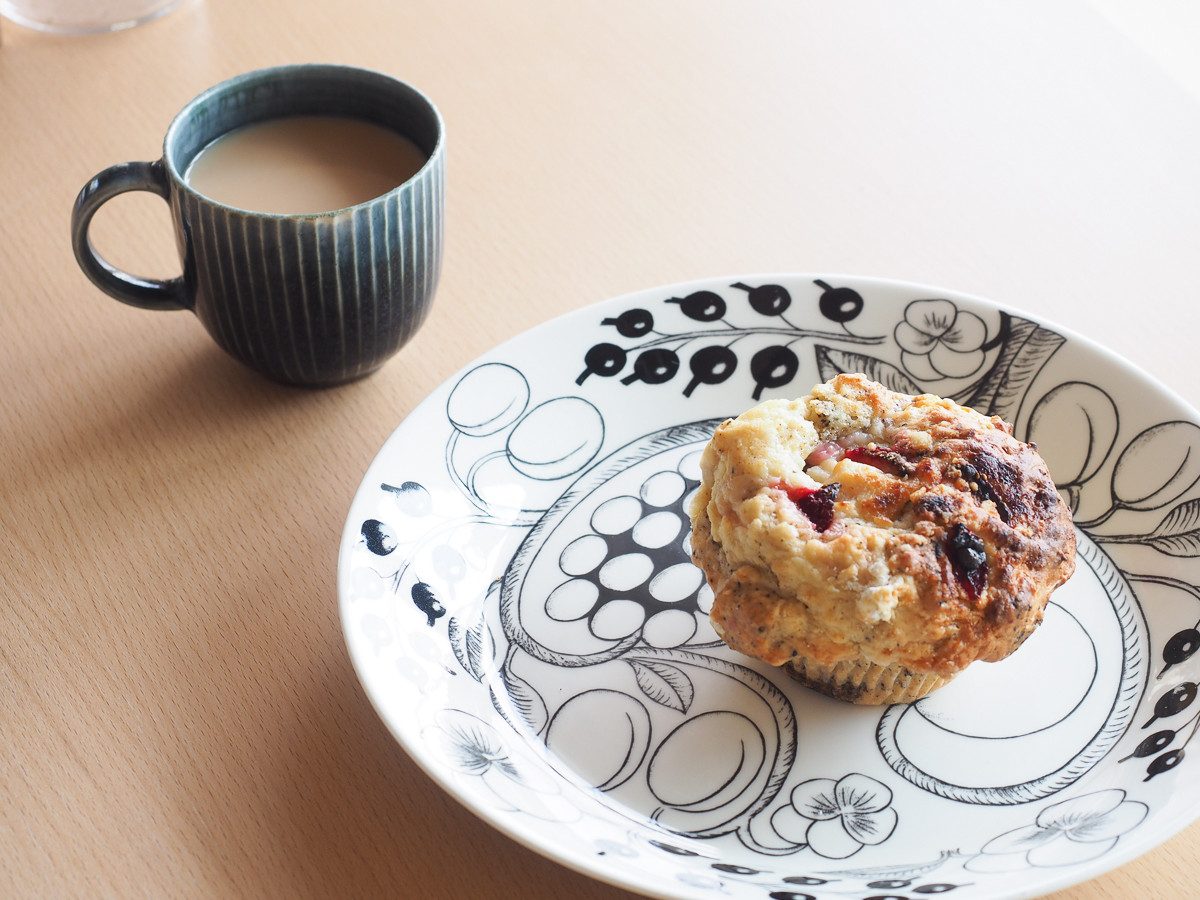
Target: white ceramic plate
(518, 601)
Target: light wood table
(178, 714)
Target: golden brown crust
(882, 581)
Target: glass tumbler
(84, 16)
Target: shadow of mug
(312, 300)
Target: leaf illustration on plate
(469, 645)
(1024, 348)
(501, 708)
(665, 684)
(897, 872)
(836, 362)
(1179, 533)
(1176, 535)
(529, 703)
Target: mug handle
(147, 293)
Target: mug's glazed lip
(273, 73)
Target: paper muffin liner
(863, 682)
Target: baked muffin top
(858, 522)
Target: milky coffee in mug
(303, 165)
(314, 296)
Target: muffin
(875, 544)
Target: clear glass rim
(84, 27)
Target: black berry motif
(604, 360)
(773, 367)
(703, 306)
(839, 304)
(381, 540)
(423, 598)
(712, 365)
(1173, 703)
(1180, 648)
(632, 323)
(767, 299)
(1152, 744)
(656, 360)
(1164, 763)
(412, 498)
(654, 366)
(1169, 704)
(735, 870)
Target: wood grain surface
(178, 714)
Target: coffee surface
(303, 165)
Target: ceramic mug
(310, 300)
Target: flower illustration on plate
(938, 340)
(837, 818)
(1073, 831)
(511, 782)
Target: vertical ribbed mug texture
(317, 299)
(310, 300)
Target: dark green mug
(311, 300)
